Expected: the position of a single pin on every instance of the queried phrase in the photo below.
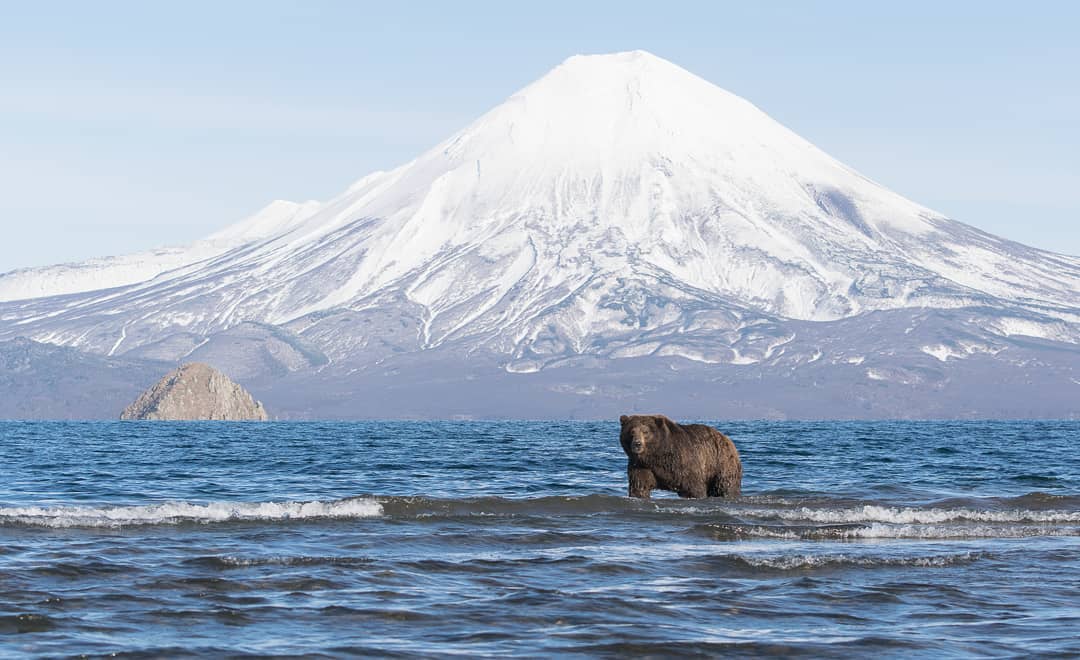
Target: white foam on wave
(232, 561)
(896, 515)
(878, 530)
(889, 531)
(171, 513)
(799, 562)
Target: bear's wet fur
(692, 460)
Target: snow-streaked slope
(111, 272)
(617, 207)
(275, 218)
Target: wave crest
(877, 530)
(172, 513)
(911, 516)
(809, 561)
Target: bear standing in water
(692, 460)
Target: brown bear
(692, 460)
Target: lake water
(515, 538)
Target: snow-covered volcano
(617, 207)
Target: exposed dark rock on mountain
(196, 392)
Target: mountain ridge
(618, 207)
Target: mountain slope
(111, 272)
(619, 207)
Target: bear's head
(642, 433)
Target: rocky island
(195, 392)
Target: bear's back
(698, 434)
(690, 437)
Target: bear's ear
(623, 420)
(663, 423)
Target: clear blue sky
(125, 126)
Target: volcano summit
(620, 233)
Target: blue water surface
(515, 538)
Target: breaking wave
(853, 531)
(808, 561)
(813, 519)
(232, 561)
(173, 513)
(911, 515)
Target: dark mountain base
(41, 381)
(976, 389)
(1013, 379)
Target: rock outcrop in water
(196, 392)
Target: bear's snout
(637, 445)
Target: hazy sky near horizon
(131, 125)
